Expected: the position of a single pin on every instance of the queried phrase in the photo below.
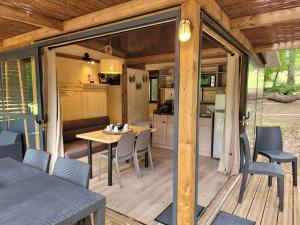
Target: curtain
(230, 157)
(52, 107)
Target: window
(153, 89)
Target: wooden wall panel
(114, 106)
(72, 71)
(77, 99)
(138, 100)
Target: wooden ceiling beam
(112, 14)
(170, 57)
(277, 46)
(266, 19)
(28, 17)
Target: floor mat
(224, 218)
(166, 216)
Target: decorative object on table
(138, 86)
(131, 78)
(145, 78)
(117, 129)
(110, 65)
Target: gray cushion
(9, 137)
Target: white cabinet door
(160, 136)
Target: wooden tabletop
(103, 137)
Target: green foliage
(270, 74)
(283, 89)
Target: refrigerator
(219, 124)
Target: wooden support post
(124, 94)
(187, 122)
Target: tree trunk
(282, 98)
(276, 77)
(291, 72)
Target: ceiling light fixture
(110, 65)
(86, 58)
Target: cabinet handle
(164, 122)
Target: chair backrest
(143, 140)
(9, 137)
(245, 150)
(73, 171)
(37, 159)
(126, 145)
(268, 139)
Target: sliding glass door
(254, 106)
(20, 93)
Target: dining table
(32, 197)
(109, 139)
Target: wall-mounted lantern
(184, 30)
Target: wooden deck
(260, 203)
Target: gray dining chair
(11, 145)
(37, 159)
(269, 144)
(75, 172)
(262, 168)
(142, 146)
(122, 153)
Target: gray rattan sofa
(11, 145)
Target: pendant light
(110, 65)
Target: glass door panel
(254, 101)
(19, 99)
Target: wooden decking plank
(212, 208)
(243, 209)
(232, 200)
(296, 202)
(259, 202)
(286, 217)
(271, 209)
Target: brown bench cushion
(76, 148)
(73, 127)
(79, 148)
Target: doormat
(166, 216)
(224, 218)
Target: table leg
(146, 160)
(89, 142)
(109, 165)
(99, 217)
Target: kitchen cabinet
(205, 136)
(163, 137)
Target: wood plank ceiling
(281, 32)
(56, 9)
(253, 17)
